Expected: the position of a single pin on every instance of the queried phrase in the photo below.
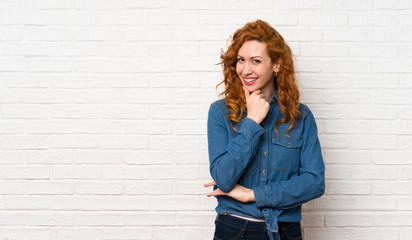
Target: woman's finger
(217, 192)
(209, 184)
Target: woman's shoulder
(219, 105)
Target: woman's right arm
(230, 156)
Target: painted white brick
(29, 233)
(98, 157)
(75, 111)
(351, 5)
(373, 81)
(126, 233)
(346, 34)
(163, 17)
(404, 203)
(123, 80)
(25, 142)
(24, 80)
(175, 112)
(98, 4)
(195, 219)
(174, 143)
(337, 219)
(13, 218)
(74, 49)
(95, 65)
(76, 172)
(394, 187)
(124, 50)
(101, 219)
(182, 233)
(148, 157)
(51, 219)
(74, 141)
(323, 18)
(25, 49)
(11, 64)
(181, 48)
(47, 34)
(125, 172)
(148, 96)
(299, 4)
(373, 172)
(49, 157)
(350, 233)
(7, 33)
(76, 203)
(125, 203)
(12, 4)
(347, 156)
(395, 4)
(99, 188)
(74, 81)
(352, 203)
(198, 4)
(348, 188)
(26, 172)
(98, 96)
(388, 34)
(373, 19)
(281, 18)
(49, 4)
(12, 126)
(124, 142)
(47, 96)
(373, 112)
(11, 187)
(28, 203)
(337, 171)
(26, 17)
(78, 233)
(148, 33)
(123, 17)
(151, 4)
(70, 18)
(145, 127)
(92, 126)
(175, 203)
(195, 157)
(392, 157)
(301, 34)
(145, 65)
(98, 34)
(196, 33)
(48, 187)
(175, 172)
(148, 187)
(48, 65)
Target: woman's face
(255, 68)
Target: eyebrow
(250, 57)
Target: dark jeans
(232, 228)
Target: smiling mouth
(249, 80)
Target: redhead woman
(264, 153)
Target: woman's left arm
(310, 183)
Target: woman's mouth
(249, 81)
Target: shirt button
(264, 172)
(288, 143)
(266, 152)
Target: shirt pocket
(286, 153)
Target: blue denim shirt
(284, 172)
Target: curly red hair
(285, 82)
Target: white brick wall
(103, 107)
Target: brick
(151, 218)
(373, 19)
(344, 156)
(372, 142)
(98, 157)
(393, 219)
(404, 203)
(11, 187)
(191, 157)
(127, 233)
(178, 173)
(317, 82)
(99, 4)
(145, 65)
(351, 5)
(125, 172)
(74, 141)
(125, 80)
(300, 34)
(279, 19)
(25, 142)
(162, 17)
(12, 157)
(393, 187)
(306, 65)
(124, 112)
(181, 48)
(101, 219)
(76, 172)
(336, 219)
(76, 203)
(346, 34)
(406, 233)
(406, 112)
(395, 4)
(148, 33)
(324, 49)
(123, 17)
(47, 34)
(196, 33)
(151, 4)
(175, 112)
(392, 127)
(148, 96)
(329, 112)
(298, 4)
(47, 187)
(193, 96)
(90, 66)
(392, 157)
(148, 157)
(312, 220)
(348, 188)
(7, 33)
(73, 81)
(11, 64)
(26, 18)
(350, 233)
(405, 172)
(175, 203)
(394, 97)
(51, 219)
(189, 127)
(98, 96)
(48, 65)
(74, 49)
(373, 172)
(343, 66)
(148, 187)
(28, 203)
(12, 4)
(373, 81)
(98, 34)
(49, 4)
(352, 203)
(337, 171)
(11, 127)
(198, 4)
(123, 142)
(406, 19)
(145, 127)
(29, 233)
(348, 126)
(392, 34)
(373, 50)
(195, 219)
(73, 111)
(91, 126)
(49, 156)
(334, 141)
(77, 233)
(24, 80)
(126, 203)
(47, 96)
(183, 233)
(323, 18)
(77, 18)
(25, 49)
(124, 49)
(218, 17)
(373, 112)
(99, 188)
(193, 188)
(174, 142)
(13, 218)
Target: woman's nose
(247, 69)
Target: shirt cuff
(260, 196)
(252, 128)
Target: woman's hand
(238, 193)
(257, 106)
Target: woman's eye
(256, 61)
(240, 59)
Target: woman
(264, 152)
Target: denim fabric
(284, 172)
(229, 227)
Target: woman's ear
(277, 66)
